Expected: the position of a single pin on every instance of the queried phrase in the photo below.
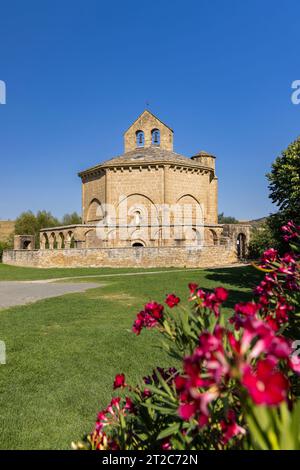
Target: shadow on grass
(244, 278)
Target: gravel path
(19, 293)
(24, 292)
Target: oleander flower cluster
(235, 380)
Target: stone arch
(191, 208)
(241, 244)
(137, 202)
(91, 240)
(212, 237)
(52, 241)
(60, 241)
(155, 137)
(188, 196)
(138, 244)
(44, 242)
(27, 245)
(70, 240)
(139, 234)
(95, 212)
(140, 138)
(193, 236)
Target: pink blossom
(266, 385)
(221, 294)
(172, 300)
(230, 428)
(119, 381)
(269, 256)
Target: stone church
(124, 202)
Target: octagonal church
(150, 206)
(146, 179)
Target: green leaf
(172, 429)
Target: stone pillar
(42, 243)
(51, 242)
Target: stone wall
(147, 122)
(124, 257)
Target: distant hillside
(255, 222)
(7, 227)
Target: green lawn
(63, 353)
(14, 273)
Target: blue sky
(78, 72)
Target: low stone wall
(123, 257)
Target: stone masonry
(145, 179)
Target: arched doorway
(241, 245)
(27, 245)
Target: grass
(63, 353)
(14, 273)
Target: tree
(284, 186)
(284, 180)
(46, 219)
(261, 238)
(26, 224)
(223, 219)
(71, 219)
(29, 224)
(6, 245)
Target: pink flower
(155, 310)
(269, 256)
(291, 231)
(187, 410)
(280, 348)
(193, 287)
(148, 318)
(247, 308)
(139, 323)
(208, 344)
(213, 300)
(166, 445)
(272, 323)
(282, 310)
(129, 406)
(221, 294)
(230, 427)
(294, 363)
(119, 381)
(172, 300)
(265, 385)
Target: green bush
(4, 246)
(261, 238)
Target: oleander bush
(237, 382)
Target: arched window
(140, 139)
(155, 133)
(137, 217)
(138, 243)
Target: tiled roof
(147, 155)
